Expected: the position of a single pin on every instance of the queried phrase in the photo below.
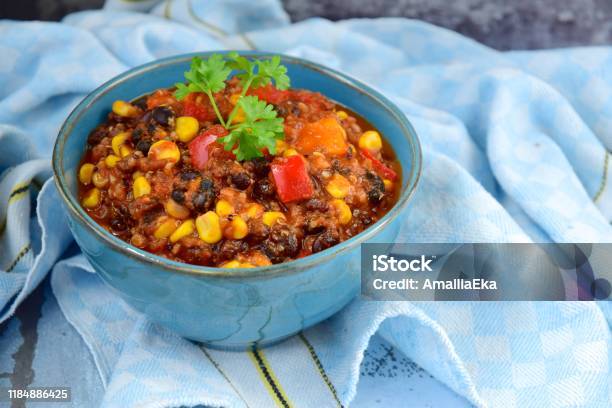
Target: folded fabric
(515, 149)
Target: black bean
(203, 200)
(315, 204)
(375, 180)
(118, 224)
(263, 189)
(140, 103)
(206, 184)
(188, 175)
(178, 195)
(144, 145)
(377, 188)
(375, 196)
(228, 249)
(261, 167)
(324, 241)
(136, 135)
(281, 244)
(162, 115)
(241, 181)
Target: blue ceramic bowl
(231, 308)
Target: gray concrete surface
(502, 24)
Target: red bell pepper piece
(379, 166)
(270, 94)
(200, 147)
(197, 105)
(291, 179)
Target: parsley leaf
(271, 69)
(207, 75)
(260, 129)
(260, 72)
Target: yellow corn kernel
(185, 229)
(338, 186)
(125, 151)
(343, 210)
(209, 227)
(254, 210)
(141, 187)
(270, 217)
(137, 174)
(341, 115)
(246, 265)
(239, 115)
(176, 210)
(224, 208)
(231, 264)
(371, 141)
(166, 228)
(186, 128)
(388, 185)
(290, 152)
(111, 160)
(86, 172)
(238, 228)
(118, 140)
(237, 264)
(124, 109)
(281, 146)
(165, 150)
(91, 198)
(99, 180)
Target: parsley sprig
(261, 127)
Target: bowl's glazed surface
(231, 308)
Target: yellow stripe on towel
(269, 378)
(19, 191)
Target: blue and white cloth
(516, 148)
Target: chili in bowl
(228, 204)
(182, 175)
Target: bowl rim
(288, 268)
